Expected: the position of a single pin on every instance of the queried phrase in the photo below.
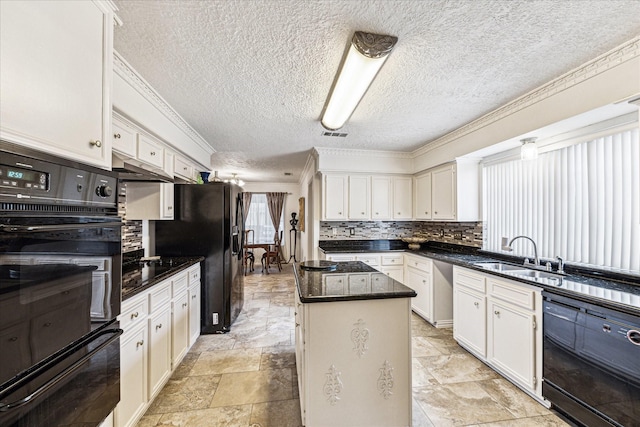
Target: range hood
(133, 170)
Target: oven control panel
(17, 177)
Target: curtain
(275, 202)
(246, 201)
(580, 202)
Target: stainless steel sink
(520, 271)
(500, 266)
(535, 274)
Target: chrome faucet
(508, 247)
(560, 265)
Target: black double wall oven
(60, 291)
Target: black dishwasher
(591, 362)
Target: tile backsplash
(459, 233)
(132, 230)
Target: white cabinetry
(496, 319)
(159, 337)
(432, 282)
(150, 200)
(393, 266)
(370, 341)
(422, 197)
(448, 193)
(133, 361)
(334, 197)
(156, 338)
(402, 198)
(359, 195)
(194, 303)
(381, 201)
(124, 138)
(179, 318)
(55, 77)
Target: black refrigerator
(209, 222)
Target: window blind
(580, 202)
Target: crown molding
(614, 57)
(126, 71)
(322, 151)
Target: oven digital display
(23, 178)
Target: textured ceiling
(252, 77)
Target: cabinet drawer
(159, 294)
(359, 284)
(422, 264)
(372, 260)
(392, 260)
(194, 274)
(179, 284)
(341, 257)
(522, 296)
(334, 284)
(124, 138)
(182, 168)
(150, 152)
(133, 312)
(469, 279)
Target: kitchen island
(353, 346)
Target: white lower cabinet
(353, 360)
(497, 320)
(432, 281)
(156, 338)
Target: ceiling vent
(338, 134)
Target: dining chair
(249, 258)
(272, 255)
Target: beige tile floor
(247, 378)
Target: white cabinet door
(182, 168)
(194, 313)
(359, 192)
(511, 341)
(179, 328)
(420, 282)
(396, 273)
(133, 376)
(166, 203)
(402, 198)
(55, 68)
(335, 196)
(469, 319)
(381, 201)
(150, 151)
(159, 349)
(443, 193)
(422, 198)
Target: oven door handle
(59, 227)
(64, 374)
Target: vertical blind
(580, 202)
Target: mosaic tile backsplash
(458, 233)
(132, 230)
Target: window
(581, 202)
(259, 220)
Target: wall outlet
(334, 230)
(352, 232)
(214, 318)
(457, 235)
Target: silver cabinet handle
(134, 315)
(184, 304)
(477, 304)
(497, 313)
(96, 143)
(117, 136)
(140, 343)
(159, 326)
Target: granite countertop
(350, 281)
(140, 277)
(609, 289)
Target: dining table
(265, 247)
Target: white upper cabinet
(453, 194)
(55, 77)
(443, 194)
(422, 196)
(402, 197)
(124, 138)
(381, 197)
(334, 197)
(359, 195)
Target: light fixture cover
(367, 53)
(529, 149)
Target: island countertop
(350, 281)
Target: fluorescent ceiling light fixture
(529, 149)
(367, 53)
